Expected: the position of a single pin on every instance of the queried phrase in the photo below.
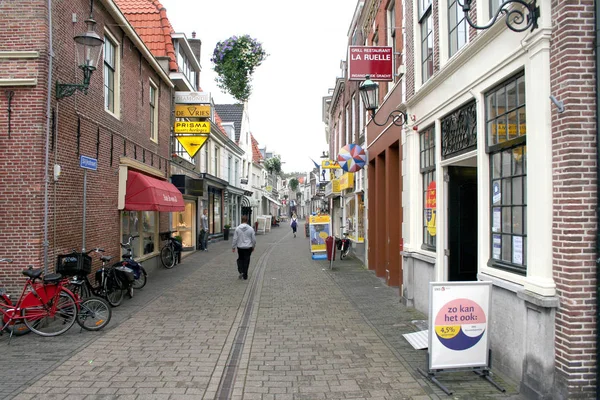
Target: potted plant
(226, 228)
(235, 60)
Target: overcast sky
(305, 40)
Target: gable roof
(149, 19)
(232, 113)
(256, 154)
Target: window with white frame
(216, 162)
(230, 171)
(347, 138)
(206, 159)
(391, 39)
(427, 164)
(457, 27)
(153, 112)
(506, 132)
(361, 119)
(111, 81)
(426, 29)
(237, 172)
(494, 6)
(353, 118)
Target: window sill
(526, 295)
(147, 256)
(428, 258)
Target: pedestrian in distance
(204, 232)
(244, 239)
(294, 224)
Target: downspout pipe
(597, 50)
(47, 146)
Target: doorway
(462, 223)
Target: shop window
(183, 224)
(427, 163)
(506, 145)
(215, 205)
(144, 224)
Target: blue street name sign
(88, 163)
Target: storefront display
(147, 242)
(215, 211)
(183, 224)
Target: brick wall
(575, 179)
(23, 28)
(82, 128)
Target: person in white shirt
(244, 239)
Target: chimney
(196, 45)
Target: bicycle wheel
(52, 319)
(141, 281)
(15, 327)
(112, 290)
(167, 257)
(94, 314)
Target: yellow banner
(335, 186)
(192, 144)
(192, 127)
(330, 164)
(192, 111)
(347, 181)
(320, 219)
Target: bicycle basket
(73, 264)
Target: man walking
(204, 237)
(244, 239)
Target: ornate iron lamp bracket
(398, 118)
(515, 17)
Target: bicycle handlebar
(131, 237)
(97, 250)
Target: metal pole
(84, 207)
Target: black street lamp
(515, 17)
(369, 92)
(88, 47)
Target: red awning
(145, 193)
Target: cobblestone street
(294, 330)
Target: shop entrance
(462, 223)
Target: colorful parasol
(352, 158)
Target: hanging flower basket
(235, 60)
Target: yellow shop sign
(347, 181)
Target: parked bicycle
(45, 306)
(79, 265)
(15, 328)
(343, 245)
(94, 313)
(140, 277)
(170, 254)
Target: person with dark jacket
(244, 239)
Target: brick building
(123, 122)
(497, 182)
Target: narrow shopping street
(294, 330)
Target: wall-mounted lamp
(88, 49)
(558, 103)
(515, 16)
(369, 91)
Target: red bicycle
(45, 306)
